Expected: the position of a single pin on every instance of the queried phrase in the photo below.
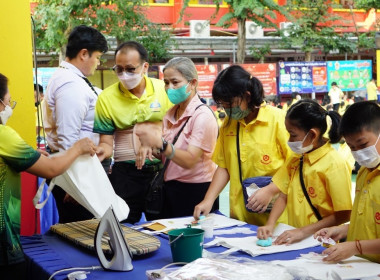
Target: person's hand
(265, 231)
(336, 233)
(69, 199)
(85, 146)
(149, 133)
(340, 252)
(142, 154)
(203, 208)
(100, 152)
(43, 152)
(290, 236)
(259, 200)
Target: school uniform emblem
(266, 159)
(377, 218)
(311, 192)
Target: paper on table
(248, 244)
(220, 221)
(351, 268)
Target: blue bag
(250, 185)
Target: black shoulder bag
(154, 200)
(315, 210)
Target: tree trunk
(241, 40)
(62, 53)
(307, 56)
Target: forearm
(335, 219)
(185, 159)
(277, 210)
(219, 181)
(108, 149)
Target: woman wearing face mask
(262, 141)
(190, 170)
(325, 197)
(16, 156)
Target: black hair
(85, 37)
(40, 88)
(333, 84)
(362, 115)
(3, 86)
(233, 82)
(134, 46)
(294, 94)
(308, 114)
(222, 115)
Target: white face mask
(131, 80)
(297, 146)
(6, 114)
(367, 157)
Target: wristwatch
(164, 145)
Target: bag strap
(37, 197)
(176, 138)
(315, 210)
(238, 151)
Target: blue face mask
(236, 113)
(178, 95)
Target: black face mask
(37, 103)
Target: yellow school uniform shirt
(365, 215)
(263, 150)
(327, 179)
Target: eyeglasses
(12, 104)
(120, 69)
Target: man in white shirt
(336, 96)
(69, 106)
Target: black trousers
(132, 185)
(181, 198)
(13, 271)
(72, 211)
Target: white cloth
(69, 108)
(335, 94)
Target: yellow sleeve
(218, 155)
(282, 178)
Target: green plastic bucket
(186, 244)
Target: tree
(262, 12)
(122, 19)
(313, 28)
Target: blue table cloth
(49, 253)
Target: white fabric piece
(351, 268)
(87, 182)
(248, 244)
(220, 221)
(241, 230)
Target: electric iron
(122, 257)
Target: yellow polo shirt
(365, 215)
(327, 178)
(263, 150)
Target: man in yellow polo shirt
(136, 98)
(372, 90)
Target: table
(48, 253)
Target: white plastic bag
(87, 182)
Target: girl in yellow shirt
(314, 183)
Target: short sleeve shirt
(365, 215)
(15, 156)
(263, 150)
(200, 131)
(327, 179)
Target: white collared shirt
(69, 108)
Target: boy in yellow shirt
(360, 127)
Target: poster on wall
(206, 77)
(265, 72)
(43, 75)
(350, 75)
(302, 77)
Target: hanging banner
(350, 75)
(302, 77)
(265, 72)
(206, 77)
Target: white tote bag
(87, 182)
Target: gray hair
(183, 65)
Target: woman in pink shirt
(191, 169)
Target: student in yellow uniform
(324, 174)
(262, 141)
(360, 127)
